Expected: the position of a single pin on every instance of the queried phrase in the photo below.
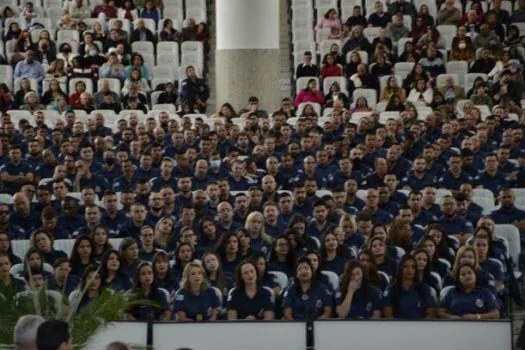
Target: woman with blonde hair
(392, 88)
(32, 103)
(259, 239)
(196, 300)
(164, 234)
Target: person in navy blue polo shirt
(492, 178)
(249, 300)
(379, 216)
(320, 225)
(302, 204)
(128, 179)
(12, 231)
(305, 298)
(351, 187)
(508, 213)
(63, 280)
(455, 176)
(237, 179)
(407, 297)
(84, 178)
(467, 300)
(22, 216)
(166, 176)
(357, 298)
(196, 300)
(452, 223)
(419, 177)
(16, 172)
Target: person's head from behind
(54, 335)
(117, 345)
(25, 332)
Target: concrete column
(247, 61)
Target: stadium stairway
(211, 103)
(286, 50)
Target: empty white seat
(68, 35)
(198, 14)
(304, 34)
(325, 45)
(164, 71)
(483, 192)
(142, 46)
(486, 203)
(301, 46)
(170, 49)
(448, 32)
(175, 13)
(460, 68)
(403, 68)
(164, 107)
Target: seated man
(451, 91)
(29, 68)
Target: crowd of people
(264, 221)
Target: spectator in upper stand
(168, 32)
(29, 68)
(331, 68)
(397, 29)
(307, 68)
(462, 47)
(194, 90)
(484, 64)
(495, 26)
(451, 91)
(431, 36)
(357, 18)
(16, 172)
(519, 13)
(189, 32)
(433, 64)
(486, 38)
(108, 9)
(79, 10)
(128, 11)
(330, 20)
(335, 94)
(309, 94)
(253, 107)
(150, 11)
(404, 8)
(362, 80)
(419, 177)
(449, 14)
(424, 14)
(380, 18)
(492, 178)
(141, 33)
(452, 223)
(502, 15)
(356, 42)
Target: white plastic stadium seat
(333, 278)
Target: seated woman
(81, 255)
(394, 104)
(266, 279)
(361, 105)
(428, 244)
(249, 300)
(32, 103)
(357, 298)
(7, 99)
(164, 276)
(392, 88)
(332, 257)
(112, 68)
(490, 266)
(306, 298)
(168, 32)
(129, 257)
(331, 68)
(466, 300)
(214, 273)
(9, 285)
(100, 237)
(92, 284)
(63, 280)
(5, 245)
(195, 300)
(309, 94)
(417, 72)
(422, 92)
(146, 289)
(54, 93)
(43, 242)
(136, 79)
(184, 254)
(432, 36)
(335, 94)
(282, 257)
(408, 297)
(384, 262)
(367, 260)
(168, 95)
(462, 47)
(110, 272)
(57, 71)
(424, 270)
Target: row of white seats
(20, 247)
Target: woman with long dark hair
(385, 263)
(129, 257)
(7, 248)
(408, 297)
(424, 270)
(428, 244)
(91, 278)
(110, 272)
(164, 275)
(357, 298)
(304, 242)
(228, 250)
(367, 260)
(215, 274)
(331, 255)
(282, 257)
(100, 237)
(184, 254)
(82, 255)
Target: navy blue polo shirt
(147, 174)
(412, 303)
(493, 269)
(245, 306)
(451, 182)
(181, 201)
(281, 266)
(455, 225)
(459, 303)
(356, 240)
(381, 217)
(53, 256)
(115, 224)
(194, 305)
(23, 168)
(313, 231)
(238, 185)
(45, 170)
(389, 267)
(286, 177)
(146, 312)
(99, 184)
(260, 245)
(16, 232)
(363, 306)
(417, 184)
(71, 224)
(336, 265)
(110, 176)
(170, 284)
(507, 216)
(309, 305)
(428, 215)
(34, 162)
(305, 209)
(327, 174)
(216, 176)
(28, 223)
(493, 183)
(391, 207)
(122, 183)
(199, 184)
(373, 180)
(159, 182)
(120, 283)
(340, 179)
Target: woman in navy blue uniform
(110, 272)
(184, 254)
(259, 239)
(298, 225)
(43, 242)
(245, 246)
(249, 300)
(100, 237)
(81, 255)
(378, 280)
(282, 257)
(266, 279)
(384, 263)
(215, 275)
(315, 260)
(407, 297)
(331, 254)
(352, 238)
(467, 300)
(164, 275)
(129, 257)
(467, 255)
(443, 249)
(306, 299)
(6, 247)
(34, 258)
(92, 279)
(63, 280)
(357, 298)
(146, 289)
(382, 232)
(428, 244)
(228, 249)
(208, 237)
(9, 285)
(424, 272)
(497, 248)
(196, 300)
